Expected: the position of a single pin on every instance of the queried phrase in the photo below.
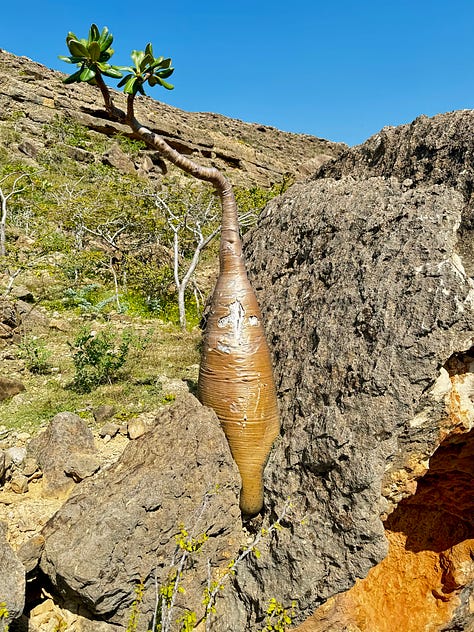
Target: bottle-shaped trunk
(236, 377)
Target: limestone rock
(30, 467)
(12, 580)
(364, 297)
(47, 616)
(16, 455)
(427, 577)
(110, 429)
(65, 451)
(18, 482)
(5, 331)
(117, 158)
(119, 527)
(81, 466)
(30, 317)
(136, 428)
(23, 293)
(30, 552)
(8, 314)
(104, 412)
(437, 150)
(14, 314)
(9, 388)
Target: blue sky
(339, 70)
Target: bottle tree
(235, 376)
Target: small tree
(5, 197)
(235, 377)
(108, 233)
(194, 224)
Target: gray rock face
(103, 413)
(117, 158)
(16, 316)
(120, 527)
(364, 297)
(12, 581)
(65, 452)
(30, 552)
(437, 150)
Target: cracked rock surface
(364, 298)
(119, 528)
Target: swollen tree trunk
(235, 376)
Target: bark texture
(235, 376)
(236, 379)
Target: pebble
(19, 483)
(30, 466)
(136, 428)
(16, 455)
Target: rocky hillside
(250, 154)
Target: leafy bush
(35, 354)
(98, 357)
(87, 299)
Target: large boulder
(365, 298)
(122, 528)
(12, 582)
(66, 453)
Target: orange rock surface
(431, 555)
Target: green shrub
(130, 145)
(88, 299)
(70, 132)
(35, 354)
(98, 357)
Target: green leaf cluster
(279, 617)
(35, 355)
(98, 357)
(91, 55)
(189, 543)
(146, 69)
(135, 609)
(4, 614)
